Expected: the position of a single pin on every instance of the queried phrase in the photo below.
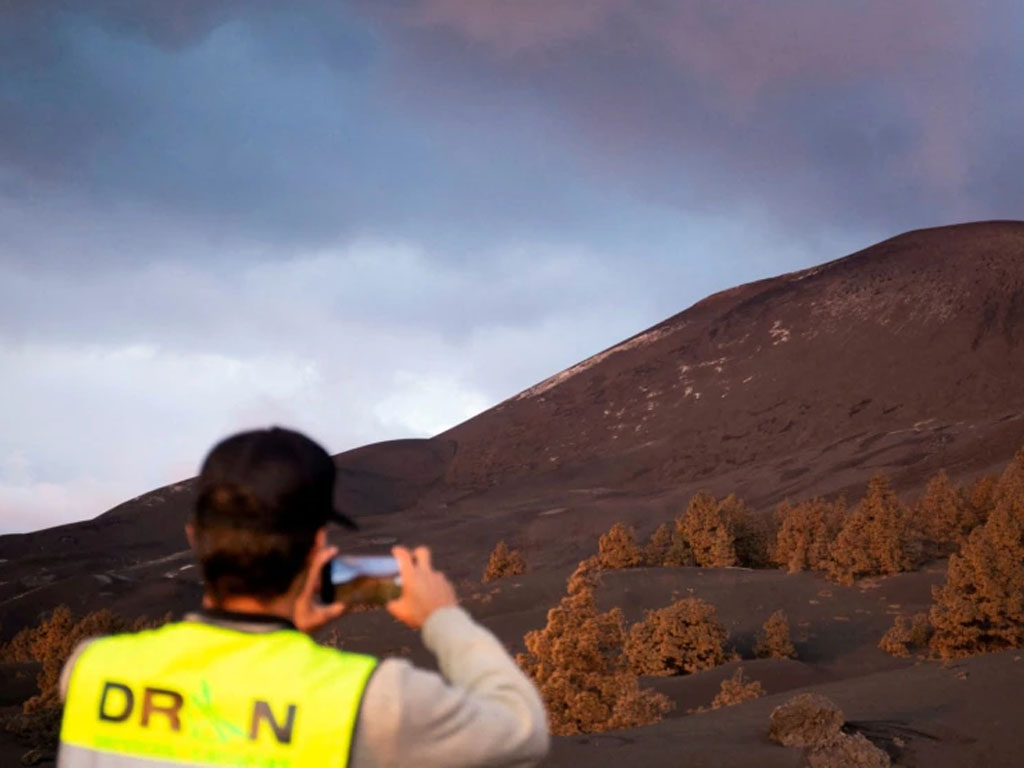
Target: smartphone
(360, 580)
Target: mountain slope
(903, 358)
(910, 349)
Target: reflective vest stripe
(199, 694)
(80, 757)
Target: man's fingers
(396, 608)
(404, 558)
(323, 556)
(423, 557)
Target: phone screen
(360, 579)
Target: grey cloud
(879, 114)
(267, 124)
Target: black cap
(284, 479)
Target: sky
(374, 219)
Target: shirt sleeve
(481, 710)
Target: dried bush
(906, 636)
(658, 545)
(807, 720)
(942, 517)
(667, 547)
(980, 608)
(774, 641)
(806, 531)
(39, 732)
(875, 539)
(578, 664)
(50, 643)
(617, 549)
(979, 501)
(736, 690)
(18, 649)
(584, 577)
(848, 751)
(503, 562)
(709, 532)
(682, 638)
(753, 535)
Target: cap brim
(343, 520)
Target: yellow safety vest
(200, 694)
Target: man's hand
(424, 590)
(310, 614)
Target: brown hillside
(903, 356)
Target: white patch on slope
(559, 378)
(778, 333)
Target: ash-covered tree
(752, 534)
(979, 501)
(709, 532)
(681, 638)
(806, 532)
(737, 689)
(774, 641)
(940, 517)
(503, 562)
(667, 547)
(578, 663)
(906, 635)
(875, 539)
(50, 643)
(617, 548)
(980, 608)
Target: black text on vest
(117, 703)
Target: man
(241, 683)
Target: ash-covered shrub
(709, 532)
(736, 690)
(753, 535)
(940, 516)
(906, 636)
(807, 720)
(980, 608)
(848, 751)
(979, 502)
(38, 732)
(682, 638)
(876, 539)
(617, 549)
(503, 562)
(50, 643)
(774, 641)
(578, 663)
(806, 532)
(723, 533)
(584, 577)
(667, 547)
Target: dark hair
(243, 561)
(262, 497)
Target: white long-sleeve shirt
(480, 711)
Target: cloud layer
(374, 219)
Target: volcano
(904, 358)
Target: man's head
(264, 497)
